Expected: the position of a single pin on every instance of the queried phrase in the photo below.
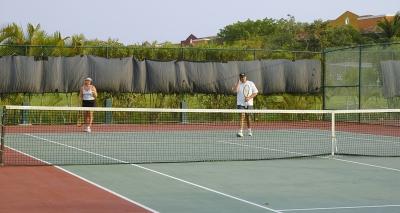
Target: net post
(2, 135)
(183, 115)
(333, 136)
(323, 63)
(25, 113)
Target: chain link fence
(161, 53)
(354, 77)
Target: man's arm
(235, 88)
(254, 94)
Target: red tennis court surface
(48, 189)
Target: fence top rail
(165, 48)
(334, 49)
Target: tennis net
(55, 135)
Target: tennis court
(198, 164)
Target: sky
(136, 21)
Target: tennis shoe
(250, 133)
(239, 134)
(87, 129)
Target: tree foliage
(390, 28)
(288, 34)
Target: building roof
(364, 23)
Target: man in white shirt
(244, 101)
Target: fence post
(323, 78)
(2, 136)
(108, 115)
(107, 56)
(359, 76)
(182, 53)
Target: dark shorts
(248, 107)
(89, 103)
(244, 107)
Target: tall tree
(77, 42)
(34, 34)
(59, 42)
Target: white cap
(88, 79)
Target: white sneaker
(239, 134)
(250, 133)
(87, 129)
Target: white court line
(340, 207)
(86, 180)
(370, 139)
(314, 133)
(157, 172)
(364, 134)
(221, 193)
(260, 147)
(364, 164)
(285, 151)
(303, 154)
(184, 139)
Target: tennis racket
(246, 93)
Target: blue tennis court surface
(321, 183)
(173, 160)
(300, 185)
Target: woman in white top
(88, 95)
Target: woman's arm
(94, 90)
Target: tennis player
(246, 90)
(88, 95)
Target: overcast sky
(135, 21)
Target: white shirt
(240, 99)
(87, 95)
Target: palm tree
(390, 28)
(33, 34)
(12, 34)
(58, 41)
(77, 42)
